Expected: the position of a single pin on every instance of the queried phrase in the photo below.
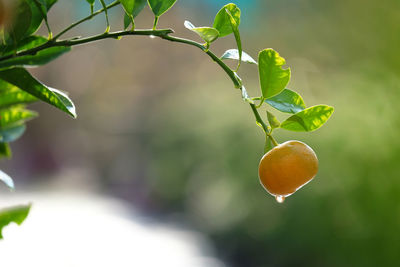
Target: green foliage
(273, 79)
(16, 115)
(309, 119)
(234, 54)
(222, 21)
(25, 81)
(287, 101)
(159, 7)
(12, 133)
(5, 178)
(40, 58)
(5, 150)
(273, 121)
(15, 214)
(208, 34)
(20, 48)
(133, 7)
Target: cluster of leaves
(273, 78)
(18, 87)
(21, 48)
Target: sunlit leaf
(15, 116)
(287, 101)
(309, 119)
(133, 7)
(25, 81)
(11, 134)
(206, 33)
(11, 95)
(273, 79)
(159, 7)
(222, 21)
(235, 29)
(5, 150)
(234, 54)
(273, 121)
(15, 214)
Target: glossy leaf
(222, 21)
(206, 33)
(15, 116)
(309, 119)
(15, 214)
(245, 96)
(6, 179)
(11, 134)
(133, 7)
(234, 54)
(273, 79)
(235, 29)
(287, 101)
(11, 95)
(273, 121)
(41, 58)
(159, 7)
(5, 150)
(25, 81)
(127, 21)
(21, 21)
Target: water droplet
(280, 199)
(152, 36)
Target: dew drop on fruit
(280, 199)
(152, 36)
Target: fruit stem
(274, 142)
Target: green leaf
(273, 78)
(127, 21)
(273, 121)
(235, 29)
(245, 96)
(309, 119)
(7, 180)
(91, 2)
(234, 54)
(11, 95)
(42, 57)
(222, 21)
(5, 150)
(208, 34)
(11, 117)
(133, 7)
(36, 19)
(12, 134)
(287, 101)
(15, 214)
(21, 21)
(159, 7)
(50, 3)
(23, 80)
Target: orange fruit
(286, 168)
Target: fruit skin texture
(287, 167)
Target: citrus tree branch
(113, 4)
(163, 34)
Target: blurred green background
(161, 126)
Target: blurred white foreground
(70, 230)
